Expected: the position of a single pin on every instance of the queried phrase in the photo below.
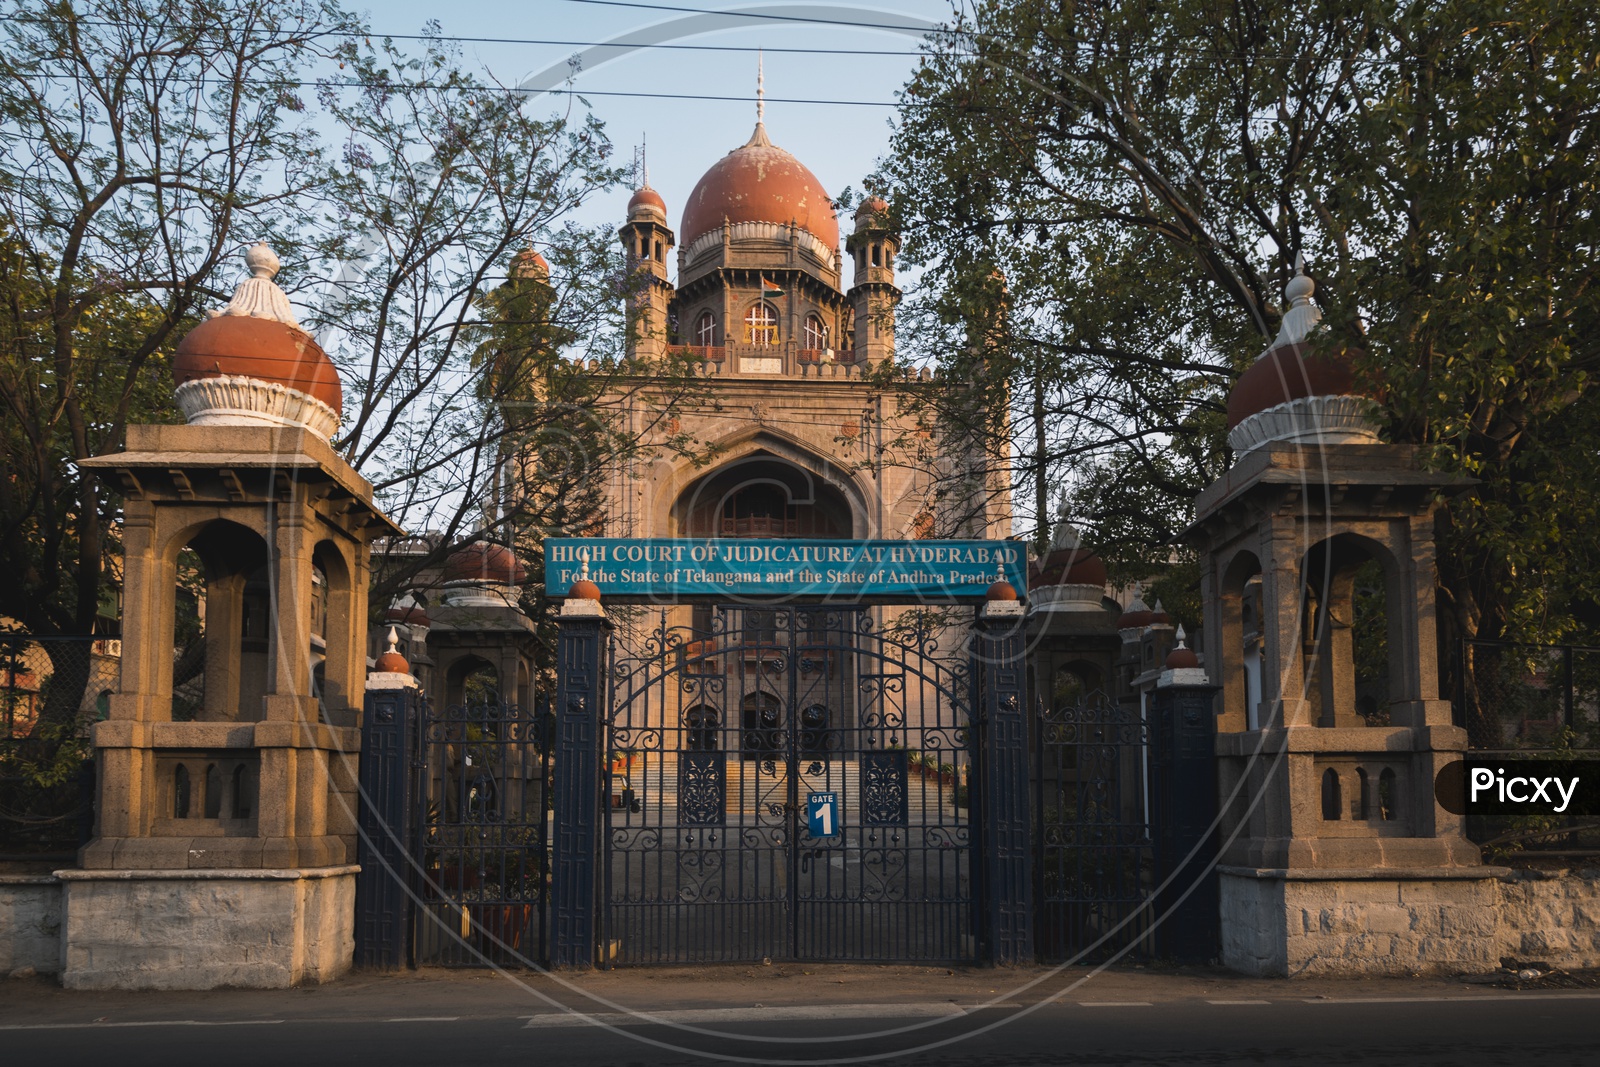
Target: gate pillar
(383, 847)
(1006, 892)
(583, 632)
(1183, 794)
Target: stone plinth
(30, 923)
(1298, 923)
(205, 929)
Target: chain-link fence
(1531, 702)
(1529, 698)
(51, 690)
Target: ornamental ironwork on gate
(484, 807)
(1094, 868)
(788, 783)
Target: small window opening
(180, 792)
(1386, 810)
(1331, 804)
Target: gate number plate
(822, 814)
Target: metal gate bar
(1094, 852)
(483, 830)
(717, 737)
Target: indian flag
(770, 288)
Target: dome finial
(1302, 315)
(761, 91)
(258, 296)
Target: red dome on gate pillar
(759, 182)
(1303, 389)
(250, 363)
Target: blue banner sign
(754, 568)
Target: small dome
(1159, 616)
(250, 363)
(583, 589)
(874, 209)
(1067, 562)
(391, 662)
(484, 562)
(528, 263)
(1000, 591)
(407, 615)
(759, 182)
(647, 199)
(1181, 658)
(1138, 615)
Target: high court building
(990, 765)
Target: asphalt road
(929, 1017)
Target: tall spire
(644, 158)
(761, 89)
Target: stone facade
(1403, 922)
(254, 929)
(30, 924)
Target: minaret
(873, 295)
(648, 240)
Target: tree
(138, 139)
(1145, 174)
(144, 143)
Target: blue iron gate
(483, 817)
(1095, 857)
(717, 740)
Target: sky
(839, 142)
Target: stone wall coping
(263, 874)
(29, 879)
(1366, 874)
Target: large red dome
(259, 348)
(760, 182)
(1293, 372)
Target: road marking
(1115, 1004)
(147, 1022)
(424, 1019)
(741, 1015)
(1468, 999)
(1238, 1002)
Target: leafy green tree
(1145, 174)
(144, 143)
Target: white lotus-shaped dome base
(1311, 420)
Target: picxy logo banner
(1496, 786)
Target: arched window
(243, 794)
(1386, 794)
(180, 792)
(705, 329)
(1331, 800)
(213, 805)
(816, 332)
(875, 261)
(658, 252)
(761, 324)
(1361, 794)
